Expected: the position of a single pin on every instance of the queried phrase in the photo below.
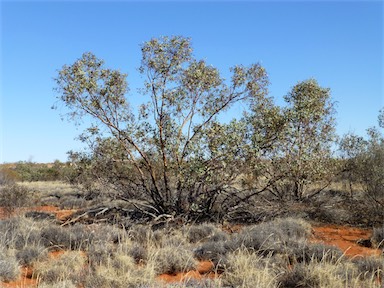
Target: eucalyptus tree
(178, 157)
(364, 160)
(302, 162)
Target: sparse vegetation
(148, 196)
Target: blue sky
(338, 43)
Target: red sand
(203, 270)
(345, 238)
(61, 215)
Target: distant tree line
(29, 171)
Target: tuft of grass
(299, 277)
(318, 252)
(213, 251)
(13, 196)
(60, 284)
(30, 254)
(38, 215)
(67, 266)
(18, 232)
(139, 254)
(171, 260)
(247, 269)
(9, 268)
(198, 233)
(120, 271)
(378, 237)
(369, 267)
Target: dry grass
(270, 254)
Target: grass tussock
(273, 254)
(68, 266)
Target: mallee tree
(172, 155)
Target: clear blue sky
(338, 43)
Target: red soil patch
(344, 238)
(203, 270)
(61, 215)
